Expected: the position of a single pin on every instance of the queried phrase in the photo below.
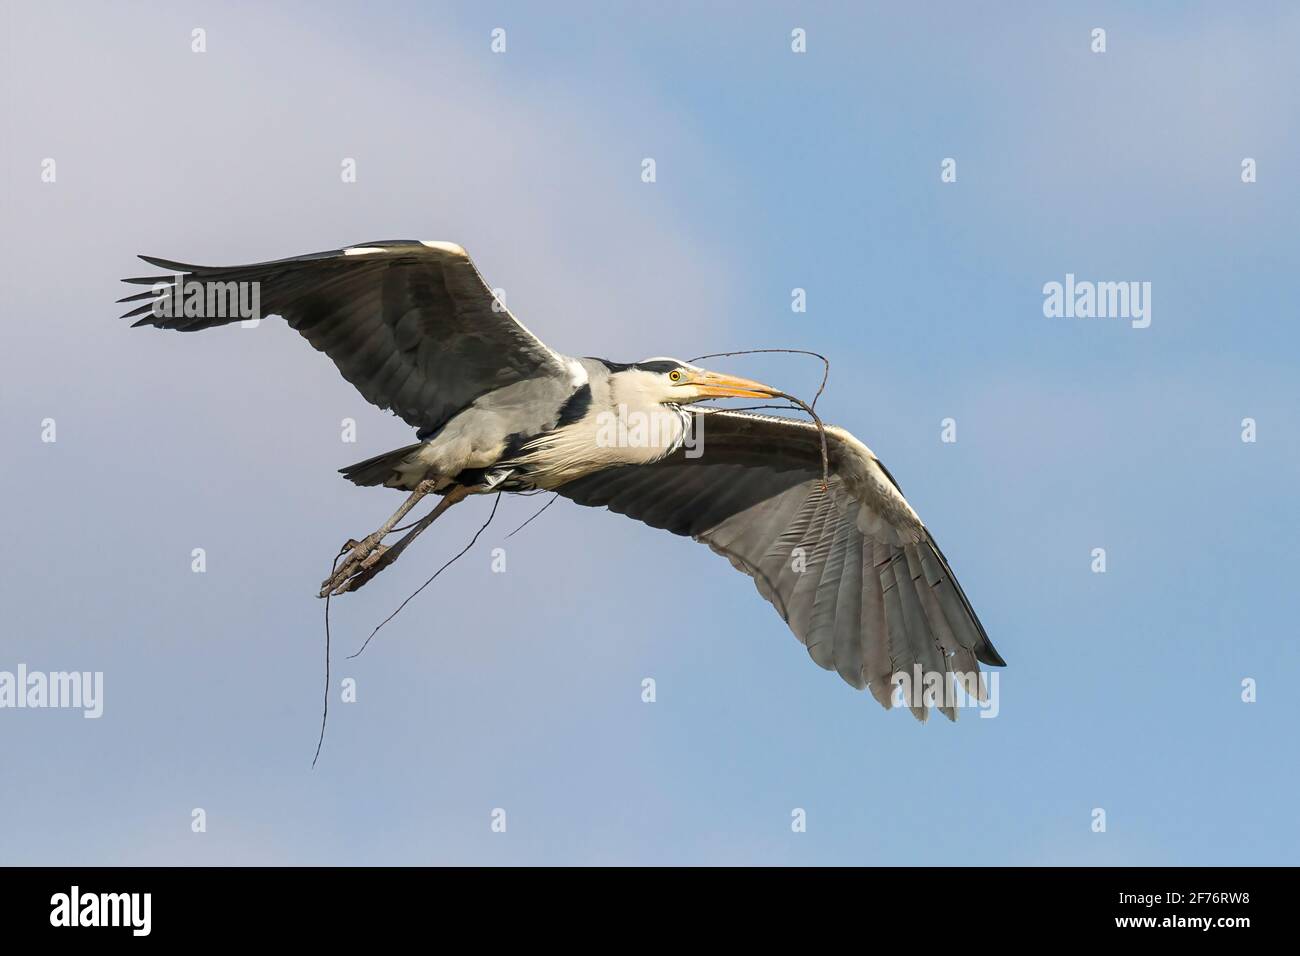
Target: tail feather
(379, 469)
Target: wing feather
(821, 632)
(877, 668)
(847, 637)
(817, 560)
(411, 325)
(876, 595)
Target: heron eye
(675, 376)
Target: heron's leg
(360, 550)
(351, 577)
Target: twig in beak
(826, 374)
(826, 363)
(821, 433)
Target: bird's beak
(714, 385)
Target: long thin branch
(821, 433)
(536, 514)
(458, 556)
(810, 409)
(826, 363)
(325, 710)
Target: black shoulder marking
(470, 477)
(576, 408)
(515, 443)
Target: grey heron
(846, 561)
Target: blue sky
(775, 170)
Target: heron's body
(842, 555)
(537, 434)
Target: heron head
(681, 383)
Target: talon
(358, 552)
(366, 544)
(369, 556)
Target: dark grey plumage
(412, 326)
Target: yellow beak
(713, 385)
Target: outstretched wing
(851, 568)
(411, 324)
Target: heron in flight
(830, 541)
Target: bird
(807, 511)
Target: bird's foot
(360, 555)
(369, 556)
(361, 572)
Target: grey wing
(851, 569)
(411, 325)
